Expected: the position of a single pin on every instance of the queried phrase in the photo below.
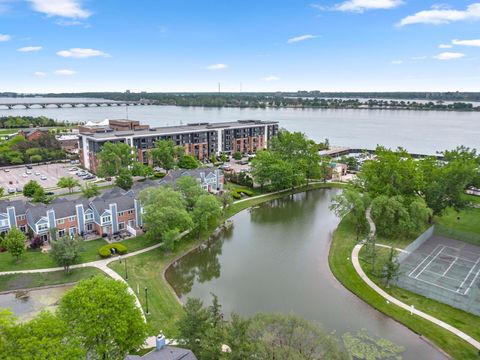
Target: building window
(61, 233)
(71, 218)
(3, 222)
(88, 217)
(89, 227)
(41, 227)
(60, 221)
(21, 217)
(121, 226)
(121, 213)
(72, 231)
(130, 212)
(23, 228)
(106, 219)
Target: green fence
(469, 237)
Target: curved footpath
(388, 297)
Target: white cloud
(79, 53)
(472, 42)
(271, 78)
(440, 15)
(64, 72)
(300, 38)
(449, 56)
(39, 73)
(445, 46)
(4, 37)
(397, 62)
(419, 57)
(64, 8)
(216, 67)
(30, 48)
(363, 5)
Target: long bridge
(71, 104)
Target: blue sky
(265, 45)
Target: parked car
(243, 162)
(72, 169)
(43, 177)
(89, 177)
(50, 193)
(28, 172)
(29, 167)
(6, 170)
(19, 189)
(11, 190)
(25, 175)
(37, 173)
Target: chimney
(160, 342)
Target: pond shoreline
(39, 288)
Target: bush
(237, 193)
(237, 155)
(105, 251)
(159, 175)
(36, 242)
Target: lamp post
(146, 299)
(126, 272)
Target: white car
(43, 177)
(11, 190)
(24, 175)
(37, 173)
(6, 170)
(28, 172)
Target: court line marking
(445, 276)
(471, 270)
(473, 281)
(425, 259)
(426, 266)
(450, 266)
(440, 286)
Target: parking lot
(45, 175)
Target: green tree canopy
(188, 162)
(103, 315)
(90, 190)
(124, 180)
(114, 157)
(66, 251)
(14, 242)
(190, 189)
(164, 154)
(68, 182)
(30, 188)
(206, 212)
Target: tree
(66, 251)
(139, 169)
(40, 196)
(114, 157)
(237, 155)
(188, 162)
(206, 212)
(391, 269)
(68, 182)
(124, 180)
(292, 337)
(351, 202)
(223, 157)
(164, 211)
(190, 189)
(164, 154)
(30, 187)
(226, 199)
(213, 158)
(45, 337)
(15, 243)
(90, 190)
(103, 315)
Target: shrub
(236, 195)
(246, 192)
(36, 242)
(159, 175)
(105, 251)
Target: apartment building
(200, 139)
(112, 212)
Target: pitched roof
(166, 353)
(19, 205)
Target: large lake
(275, 259)
(417, 131)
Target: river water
(418, 131)
(275, 259)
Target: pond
(275, 259)
(28, 306)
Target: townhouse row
(114, 211)
(201, 140)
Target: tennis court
(446, 270)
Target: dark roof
(124, 201)
(19, 205)
(166, 353)
(173, 176)
(165, 130)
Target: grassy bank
(342, 267)
(146, 270)
(27, 281)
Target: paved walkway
(388, 297)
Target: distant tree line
(16, 122)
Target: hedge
(237, 193)
(105, 251)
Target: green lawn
(35, 259)
(341, 266)
(467, 220)
(27, 281)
